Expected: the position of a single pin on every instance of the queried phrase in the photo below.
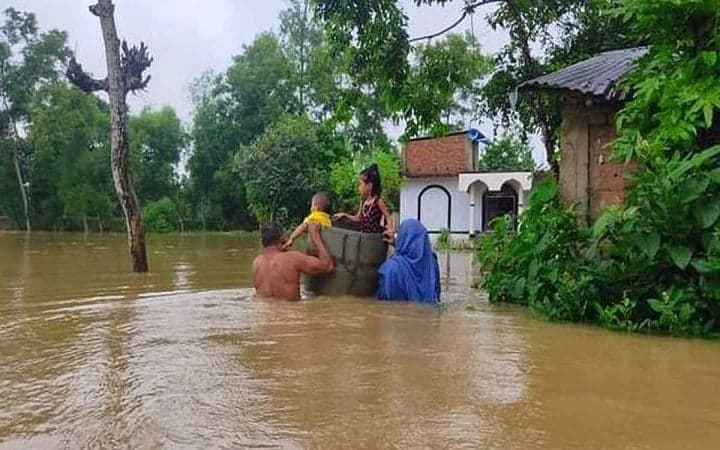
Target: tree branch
(103, 8)
(84, 81)
(134, 61)
(469, 9)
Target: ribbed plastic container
(358, 257)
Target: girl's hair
(372, 175)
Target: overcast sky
(189, 37)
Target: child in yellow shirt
(319, 208)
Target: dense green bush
(542, 265)
(654, 263)
(160, 216)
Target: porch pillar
(471, 222)
(522, 198)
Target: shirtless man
(276, 273)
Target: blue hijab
(412, 273)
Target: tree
(125, 74)
(441, 82)
(259, 87)
(283, 169)
(323, 85)
(27, 58)
(157, 140)
(371, 33)
(215, 195)
(507, 153)
(68, 134)
(301, 35)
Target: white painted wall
(434, 204)
(434, 212)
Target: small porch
(492, 195)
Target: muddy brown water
(94, 357)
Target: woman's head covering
(412, 273)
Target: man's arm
(311, 265)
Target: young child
(373, 208)
(319, 212)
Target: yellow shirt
(320, 217)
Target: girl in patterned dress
(373, 215)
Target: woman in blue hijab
(412, 273)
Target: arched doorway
(500, 203)
(435, 208)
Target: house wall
(587, 177)
(433, 210)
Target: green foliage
(444, 241)
(440, 83)
(157, 140)
(372, 35)
(542, 264)
(282, 170)
(161, 216)
(620, 316)
(28, 59)
(676, 91)
(258, 84)
(69, 168)
(677, 313)
(507, 153)
(354, 109)
(652, 264)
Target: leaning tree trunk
(14, 136)
(119, 147)
(125, 74)
(23, 189)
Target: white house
(444, 189)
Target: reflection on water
(93, 356)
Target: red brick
(443, 156)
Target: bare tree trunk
(13, 135)
(23, 190)
(302, 54)
(117, 91)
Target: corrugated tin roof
(595, 76)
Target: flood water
(93, 356)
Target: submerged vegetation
(652, 264)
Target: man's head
(321, 202)
(272, 235)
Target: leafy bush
(283, 169)
(160, 216)
(654, 263)
(541, 265)
(444, 240)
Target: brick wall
(443, 156)
(587, 176)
